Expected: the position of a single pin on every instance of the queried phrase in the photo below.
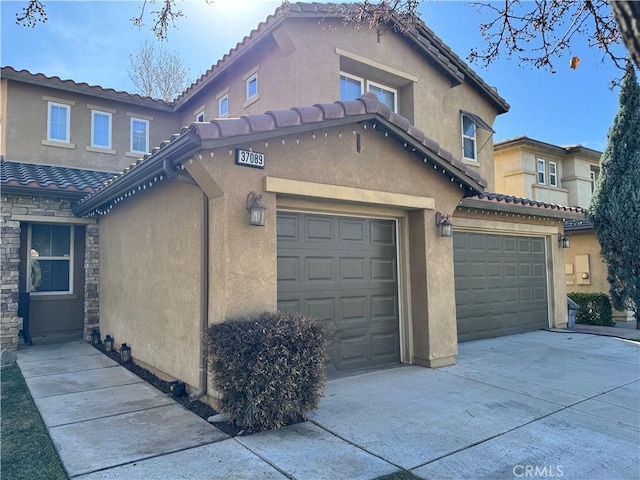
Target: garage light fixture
(563, 240)
(444, 223)
(257, 210)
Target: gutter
(177, 151)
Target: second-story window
(542, 171)
(223, 106)
(139, 135)
(469, 151)
(100, 129)
(252, 86)
(385, 95)
(553, 174)
(592, 179)
(350, 87)
(58, 122)
(200, 116)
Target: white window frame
(67, 108)
(146, 122)
(109, 117)
(553, 174)
(388, 89)
(200, 116)
(541, 171)
(592, 179)
(473, 137)
(223, 98)
(353, 77)
(30, 260)
(250, 79)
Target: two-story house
(337, 202)
(564, 175)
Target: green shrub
(269, 369)
(595, 309)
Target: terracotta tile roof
(426, 41)
(49, 179)
(499, 201)
(250, 128)
(83, 88)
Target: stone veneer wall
(10, 323)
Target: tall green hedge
(595, 309)
(269, 369)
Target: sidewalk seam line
(518, 427)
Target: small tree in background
(615, 205)
(158, 72)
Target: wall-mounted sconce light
(125, 353)
(95, 336)
(108, 343)
(444, 223)
(563, 240)
(257, 210)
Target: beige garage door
(501, 284)
(343, 271)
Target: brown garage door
(501, 285)
(343, 271)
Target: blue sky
(90, 41)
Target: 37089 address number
(249, 158)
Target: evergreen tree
(615, 205)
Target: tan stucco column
(433, 302)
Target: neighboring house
(353, 179)
(563, 175)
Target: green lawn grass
(26, 449)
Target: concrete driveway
(534, 405)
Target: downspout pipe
(204, 278)
(204, 298)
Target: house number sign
(248, 158)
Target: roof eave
(79, 89)
(471, 186)
(177, 151)
(43, 192)
(478, 204)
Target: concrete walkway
(559, 404)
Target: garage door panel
(288, 269)
(352, 231)
(347, 277)
(352, 269)
(382, 233)
(499, 291)
(318, 229)
(383, 270)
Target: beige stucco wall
(150, 277)
(585, 243)
(583, 256)
(26, 128)
(516, 174)
(529, 225)
(300, 63)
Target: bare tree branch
(157, 72)
(534, 32)
(33, 13)
(627, 14)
